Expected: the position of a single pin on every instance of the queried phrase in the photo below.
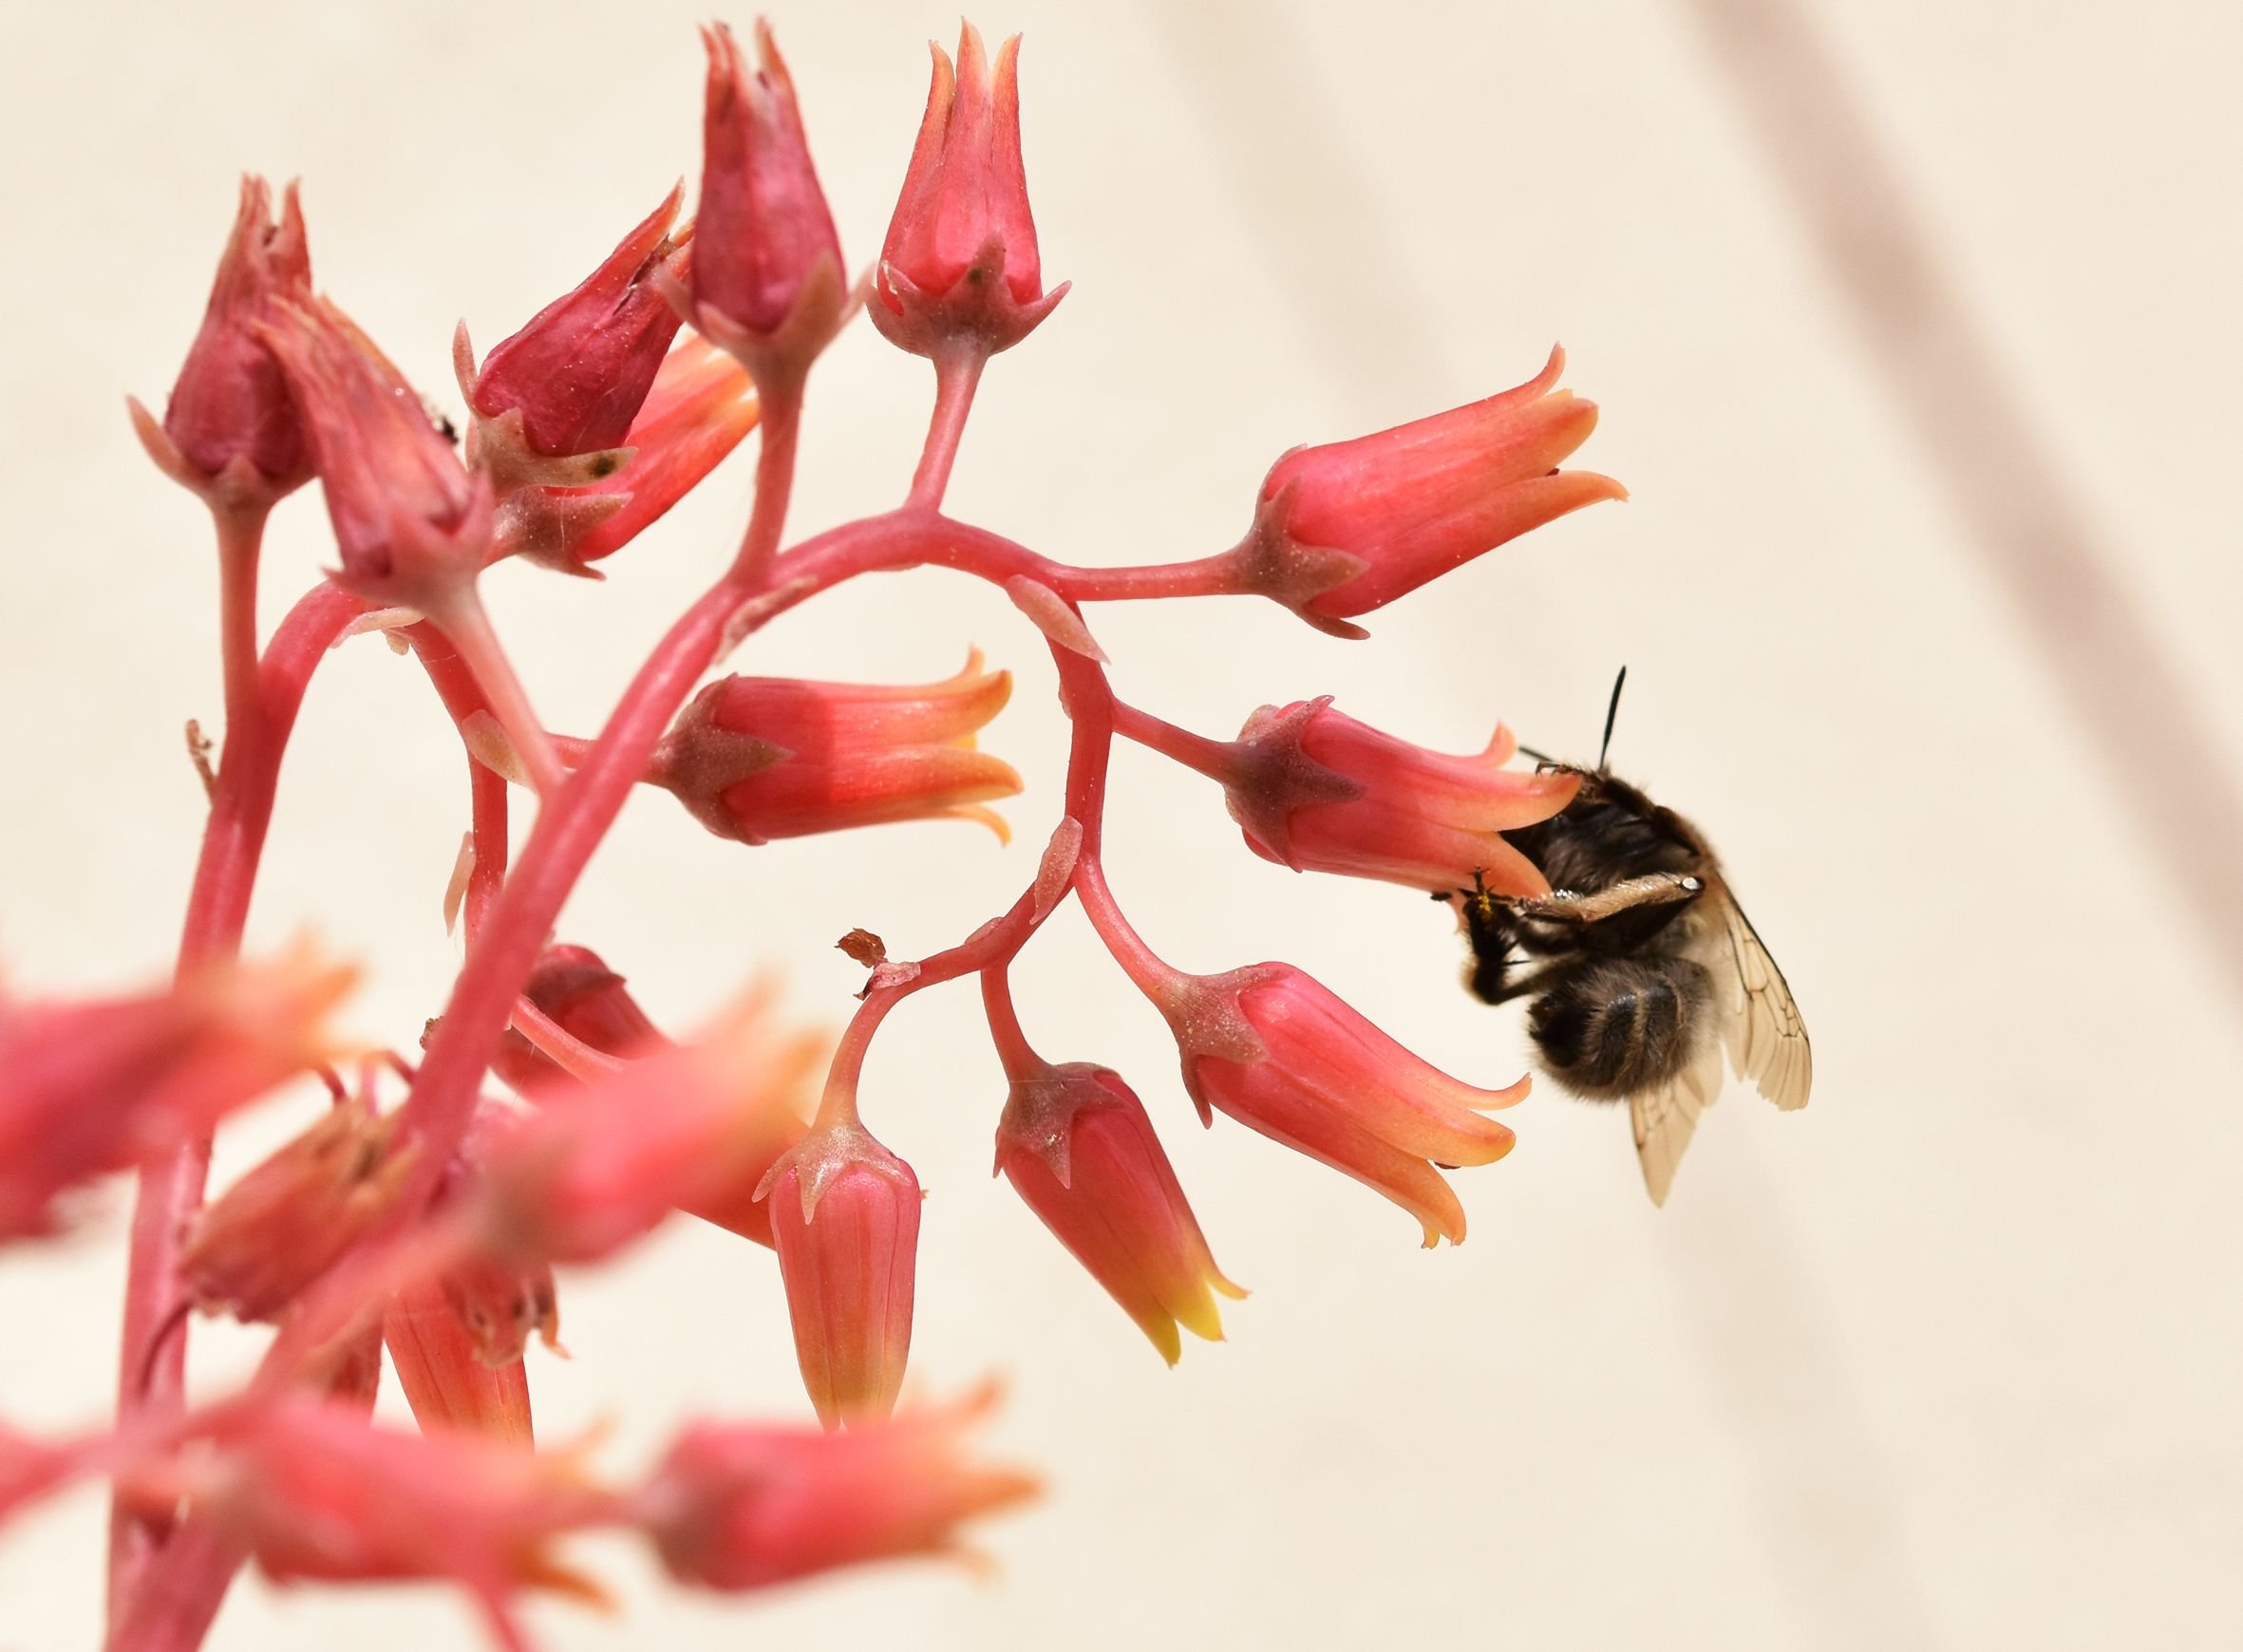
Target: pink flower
(1317, 790)
(702, 403)
(410, 525)
(1410, 504)
(960, 258)
(845, 1218)
(758, 757)
(593, 1169)
(590, 1002)
(311, 1490)
(767, 281)
(95, 1085)
(252, 1250)
(1076, 1145)
(578, 373)
(231, 420)
(744, 1506)
(1280, 1053)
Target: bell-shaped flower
(1349, 527)
(758, 757)
(1076, 1145)
(1279, 1052)
(845, 1220)
(1317, 790)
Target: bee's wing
(1767, 1040)
(1666, 1115)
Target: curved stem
(462, 697)
(263, 699)
(1215, 758)
(1013, 1049)
(956, 374)
(465, 622)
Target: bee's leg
(1562, 907)
(1523, 987)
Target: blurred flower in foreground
(593, 1168)
(95, 1085)
(249, 1251)
(1349, 527)
(311, 1490)
(230, 427)
(1076, 1145)
(845, 1220)
(574, 988)
(744, 1506)
(1280, 1053)
(758, 757)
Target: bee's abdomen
(1617, 1026)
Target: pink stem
(263, 699)
(956, 374)
(1215, 758)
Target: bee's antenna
(1612, 716)
(1540, 756)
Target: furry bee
(1640, 966)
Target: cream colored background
(1950, 1360)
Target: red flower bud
(95, 1085)
(1349, 527)
(251, 1251)
(744, 1506)
(845, 1217)
(578, 373)
(758, 757)
(592, 1169)
(767, 282)
(702, 404)
(412, 528)
(231, 420)
(960, 261)
(1317, 790)
(1280, 1053)
(1076, 1145)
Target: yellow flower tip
(1234, 1291)
(1161, 1331)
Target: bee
(1640, 967)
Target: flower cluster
(422, 1210)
